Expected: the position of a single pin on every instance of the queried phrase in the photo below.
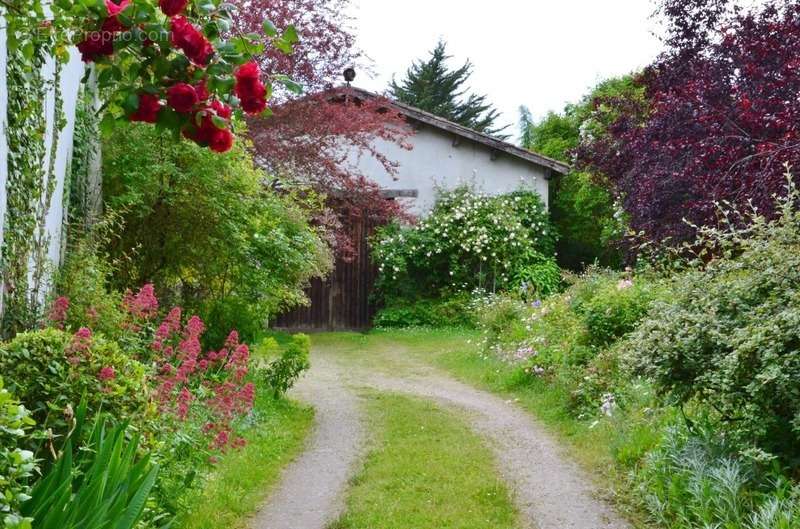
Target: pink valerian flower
(58, 312)
(169, 326)
(106, 374)
(185, 398)
(81, 341)
(248, 395)
(143, 304)
(194, 327)
(186, 375)
(220, 441)
(240, 357)
(232, 341)
(190, 347)
(91, 314)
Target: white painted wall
(435, 163)
(71, 74)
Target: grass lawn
(606, 447)
(244, 478)
(425, 470)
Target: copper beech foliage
(720, 119)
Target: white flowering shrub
(470, 241)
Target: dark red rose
(182, 97)
(221, 140)
(149, 107)
(202, 90)
(96, 44)
(208, 134)
(187, 38)
(172, 7)
(112, 26)
(249, 88)
(200, 134)
(248, 72)
(255, 105)
(222, 110)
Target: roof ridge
(456, 128)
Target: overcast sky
(540, 53)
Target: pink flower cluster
(58, 312)
(193, 385)
(143, 304)
(80, 345)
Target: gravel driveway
(550, 491)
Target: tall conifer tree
(431, 86)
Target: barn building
(444, 155)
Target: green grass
(607, 448)
(425, 470)
(244, 478)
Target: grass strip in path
(608, 448)
(425, 470)
(244, 478)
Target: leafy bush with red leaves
(720, 118)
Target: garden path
(311, 492)
(550, 491)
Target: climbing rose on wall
(168, 62)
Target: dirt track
(550, 491)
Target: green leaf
(219, 122)
(269, 29)
(290, 35)
(290, 84)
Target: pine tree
(431, 86)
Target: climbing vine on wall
(30, 180)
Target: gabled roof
(433, 120)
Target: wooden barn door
(342, 301)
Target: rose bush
(175, 64)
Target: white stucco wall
(71, 74)
(436, 163)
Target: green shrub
(204, 228)
(84, 281)
(281, 374)
(501, 319)
(538, 279)
(17, 465)
(468, 241)
(455, 311)
(51, 371)
(729, 336)
(612, 305)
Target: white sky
(540, 53)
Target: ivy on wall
(31, 165)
